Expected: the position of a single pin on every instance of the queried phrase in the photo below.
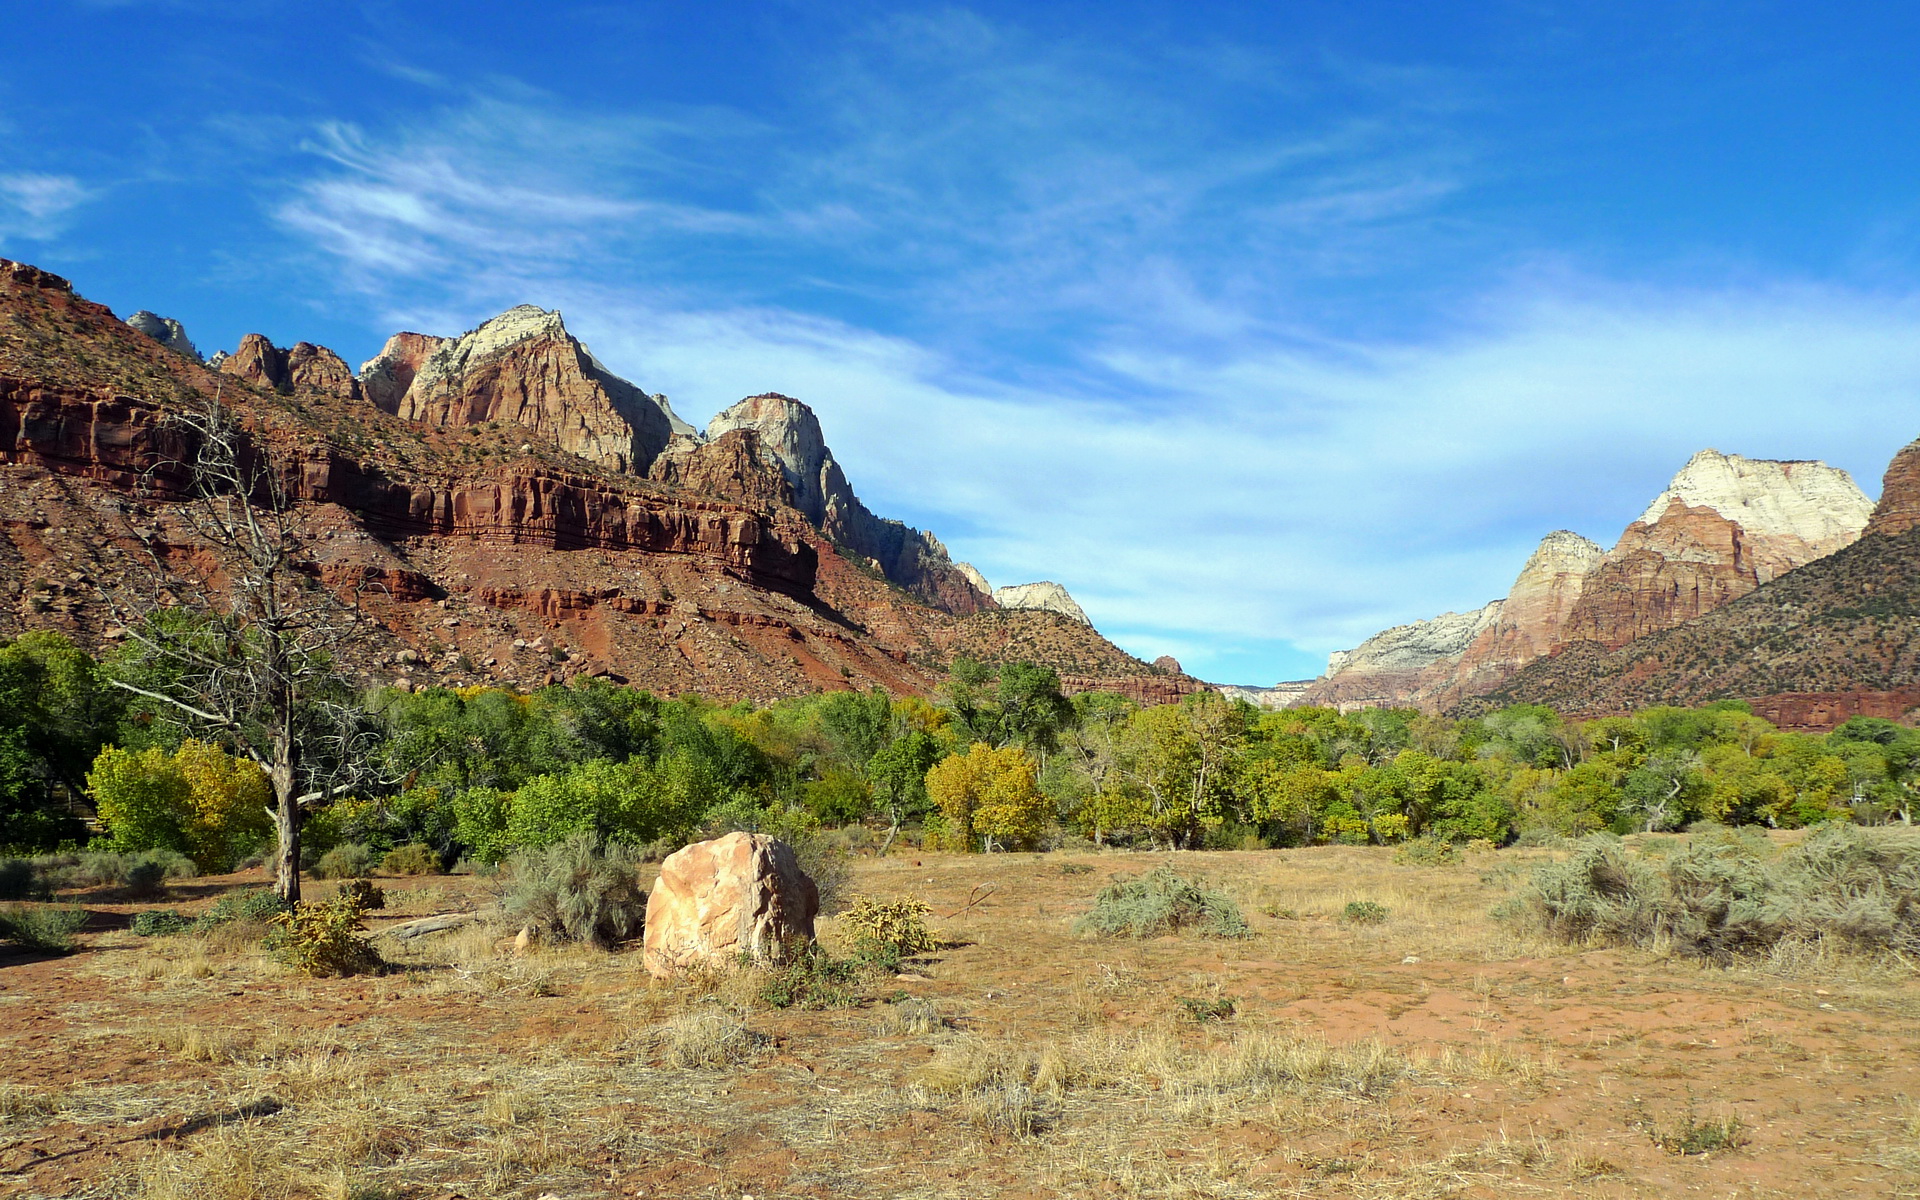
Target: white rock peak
(1819, 504)
(1045, 595)
(974, 577)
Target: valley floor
(1432, 1055)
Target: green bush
(160, 922)
(1363, 912)
(363, 894)
(258, 905)
(48, 929)
(348, 860)
(1426, 852)
(810, 978)
(414, 859)
(1162, 901)
(1719, 897)
(577, 890)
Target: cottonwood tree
(247, 661)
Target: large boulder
(738, 896)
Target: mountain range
(500, 507)
(496, 507)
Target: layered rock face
(1046, 596)
(1397, 664)
(738, 897)
(523, 368)
(1285, 694)
(1723, 527)
(1899, 506)
(165, 330)
(787, 434)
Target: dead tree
(246, 660)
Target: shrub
(323, 938)
(888, 929)
(810, 978)
(160, 922)
(1206, 1008)
(1723, 896)
(253, 906)
(709, 1037)
(1363, 912)
(415, 859)
(363, 894)
(199, 800)
(348, 860)
(1426, 852)
(578, 890)
(1162, 901)
(20, 881)
(48, 929)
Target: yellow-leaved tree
(990, 799)
(199, 800)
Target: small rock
(1409, 960)
(450, 622)
(524, 942)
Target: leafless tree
(247, 660)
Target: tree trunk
(286, 817)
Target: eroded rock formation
(523, 368)
(1723, 527)
(305, 368)
(1899, 506)
(1397, 664)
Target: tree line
(998, 759)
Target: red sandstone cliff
(1899, 506)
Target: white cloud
(35, 206)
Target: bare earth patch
(1430, 1054)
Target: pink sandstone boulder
(738, 896)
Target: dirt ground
(1435, 1054)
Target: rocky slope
(463, 502)
(788, 432)
(1532, 619)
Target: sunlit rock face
(1723, 527)
(1045, 595)
(523, 368)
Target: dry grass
(1024, 1060)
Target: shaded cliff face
(523, 368)
(1723, 527)
(787, 436)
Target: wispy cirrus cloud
(38, 206)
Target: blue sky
(1259, 327)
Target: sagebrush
(579, 890)
(1719, 897)
(1162, 901)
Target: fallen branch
(408, 930)
(974, 897)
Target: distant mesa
(165, 330)
(1045, 595)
